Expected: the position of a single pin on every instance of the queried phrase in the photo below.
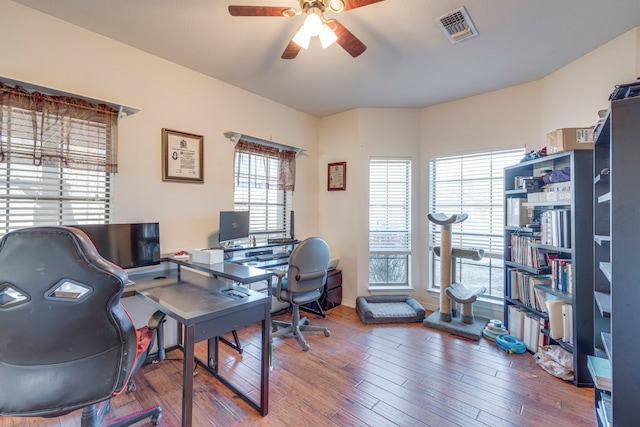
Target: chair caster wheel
(131, 387)
(327, 333)
(156, 419)
(305, 347)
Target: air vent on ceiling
(457, 25)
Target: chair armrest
(279, 273)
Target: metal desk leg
(234, 345)
(187, 376)
(265, 361)
(212, 355)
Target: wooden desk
(205, 310)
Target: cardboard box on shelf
(569, 139)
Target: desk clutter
(207, 256)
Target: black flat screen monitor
(126, 245)
(234, 225)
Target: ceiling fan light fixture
(313, 22)
(336, 6)
(302, 38)
(327, 36)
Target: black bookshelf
(579, 250)
(616, 291)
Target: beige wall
(572, 96)
(39, 49)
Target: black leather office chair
(65, 341)
(303, 283)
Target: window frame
(390, 248)
(475, 232)
(269, 212)
(57, 159)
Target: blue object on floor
(511, 344)
(494, 329)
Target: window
(389, 222)
(56, 159)
(472, 184)
(264, 186)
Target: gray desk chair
(305, 278)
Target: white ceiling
(408, 62)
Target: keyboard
(269, 257)
(281, 240)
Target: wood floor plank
(362, 375)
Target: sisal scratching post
(445, 273)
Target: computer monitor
(234, 225)
(128, 245)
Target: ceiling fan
(315, 24)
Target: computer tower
(332, 293)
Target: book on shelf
(606, 411)
(556, 320)
(514, 289)
(543, 338)
(523, 285)
(541, 300)
(555, 227)
(562, 275)
(531, 332)
(600, 369)
(517, 214)
(516, 322)
(567, 323)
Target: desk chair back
(307, 271)
(65, 340)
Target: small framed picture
(337, 176)
(182, 156)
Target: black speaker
(292, 234)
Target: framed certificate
(182, 156)
(337, 176)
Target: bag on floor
(556, 361)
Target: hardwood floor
(362, 375)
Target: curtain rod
(123, 109)
(236, 136)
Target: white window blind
(256, 190)
(389, 221)
(472, 184)
(43, 195)
(56, 159)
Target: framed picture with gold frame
(182, 156)
(337, 176)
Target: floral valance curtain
(286, 161)
(61, 131)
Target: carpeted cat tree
(453, 294)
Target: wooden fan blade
(292, 49)
(353, 4)
(346, 39)
(261, 11)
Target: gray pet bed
(389, 309)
